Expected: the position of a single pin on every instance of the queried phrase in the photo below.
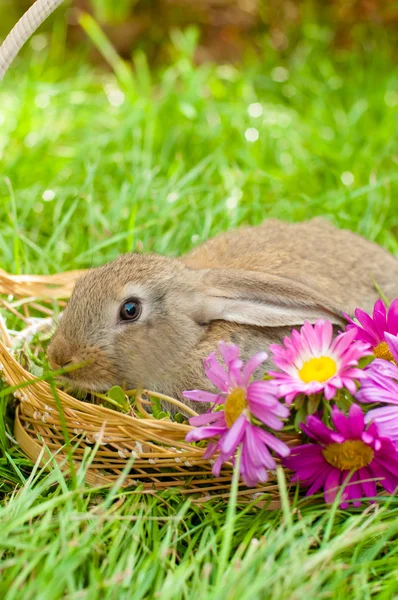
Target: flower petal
(384, 477)
(229, 352)
(252, 364)
(234, 436)
(216, 373)
(203, 433)
(254, 446)
(208, 417)
(342, 342)
(319, 481)
(218, 465)
(392, 319)
(368, 483)
(354, 489)
(317, 430)
(201, 396)
(341, 422)
(357, 421)
(332, 485)
(392, 341)
(273, 442)
(211, 449)
(367, 324)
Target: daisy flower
(372, 329)
(380, 385)
(349, 454)
(310, 362)
(238, 409)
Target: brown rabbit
(148, 320)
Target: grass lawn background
(96, 162)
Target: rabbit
(148, 321)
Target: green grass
(97, 162)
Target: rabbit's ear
(253, 298)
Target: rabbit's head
(135, 321)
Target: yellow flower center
(318, 369)
(383, 351)
(348, 456)
(235, 404)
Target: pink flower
(241, 403)
(373, 329)
(335, 455)
(311, 362)
(380, 385)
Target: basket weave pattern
(158, 458)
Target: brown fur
(248, 286)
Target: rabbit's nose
(59, 354)
(58, 365)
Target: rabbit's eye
(130, 310)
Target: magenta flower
(310, 362)
(236, 411)
(351, 455)
(380, 385)
(373, 329)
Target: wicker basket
(157, 454)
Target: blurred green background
(151, 125)
(228, 28)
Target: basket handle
(22, 31)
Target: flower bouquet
(341, 394)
